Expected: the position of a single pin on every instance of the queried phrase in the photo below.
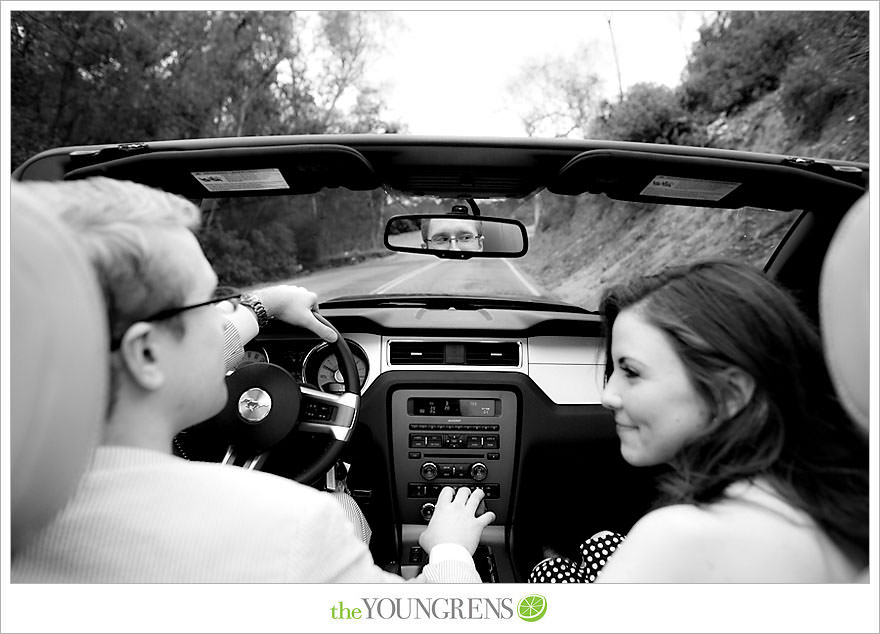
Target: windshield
(331, 243)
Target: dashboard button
(429, 470)
(415, 490)
(427, 511)
(479, 471)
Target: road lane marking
(522, 279)
(403, 278)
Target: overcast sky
(446, 72)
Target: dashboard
(311, 363)
(505, 400)
(568, 369)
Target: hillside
(582, 247)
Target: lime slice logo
(532, 607)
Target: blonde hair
(118, 224)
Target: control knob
(427, 511)
(428, 471)
(479, 471)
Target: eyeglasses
(221, 294)
(463, 240)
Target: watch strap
(253, 302)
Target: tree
(557, 96)
(829, 71)
(816, 60)
(332, 69)
(648, 113)
(739, 57)
(85, 77)
(88, 77)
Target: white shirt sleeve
(335, 554)
(449, 552)
(238, 328)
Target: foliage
(784, 82)
(739, 57)
(99, 77)
(817, 60)
(249, 240)
(556, 96)
(263, 239)
(90, 77)
(648, 113)
(830, 69)
(84, 77)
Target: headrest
(59, 364)
(844, 311)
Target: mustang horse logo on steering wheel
(254, 405)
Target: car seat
(844, 311)
(58, 365)
(844, 292)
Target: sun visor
(701, 181)
(241, 171)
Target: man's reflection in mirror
(453, 234)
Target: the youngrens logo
(530, 608)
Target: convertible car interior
(459, 364)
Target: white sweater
(141, 516)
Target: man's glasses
(220, 294)
(463, 240)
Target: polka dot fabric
(594, 555)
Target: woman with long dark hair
(713, 370)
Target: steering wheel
(265, 405)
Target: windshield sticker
(690, 188)
(241, 180)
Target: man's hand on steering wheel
(296, 306)
(263, 406)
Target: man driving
(452, 234)
(141, 514)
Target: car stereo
(452, 438)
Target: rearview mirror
(457, 236)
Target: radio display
(453, 407)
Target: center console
(452, 438)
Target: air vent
(502, 353)
(454, 353)
(417, 353)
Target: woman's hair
(793, 432)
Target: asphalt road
(407, 273)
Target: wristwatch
(253, 302)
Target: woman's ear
(139, 354)
(738, 387)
